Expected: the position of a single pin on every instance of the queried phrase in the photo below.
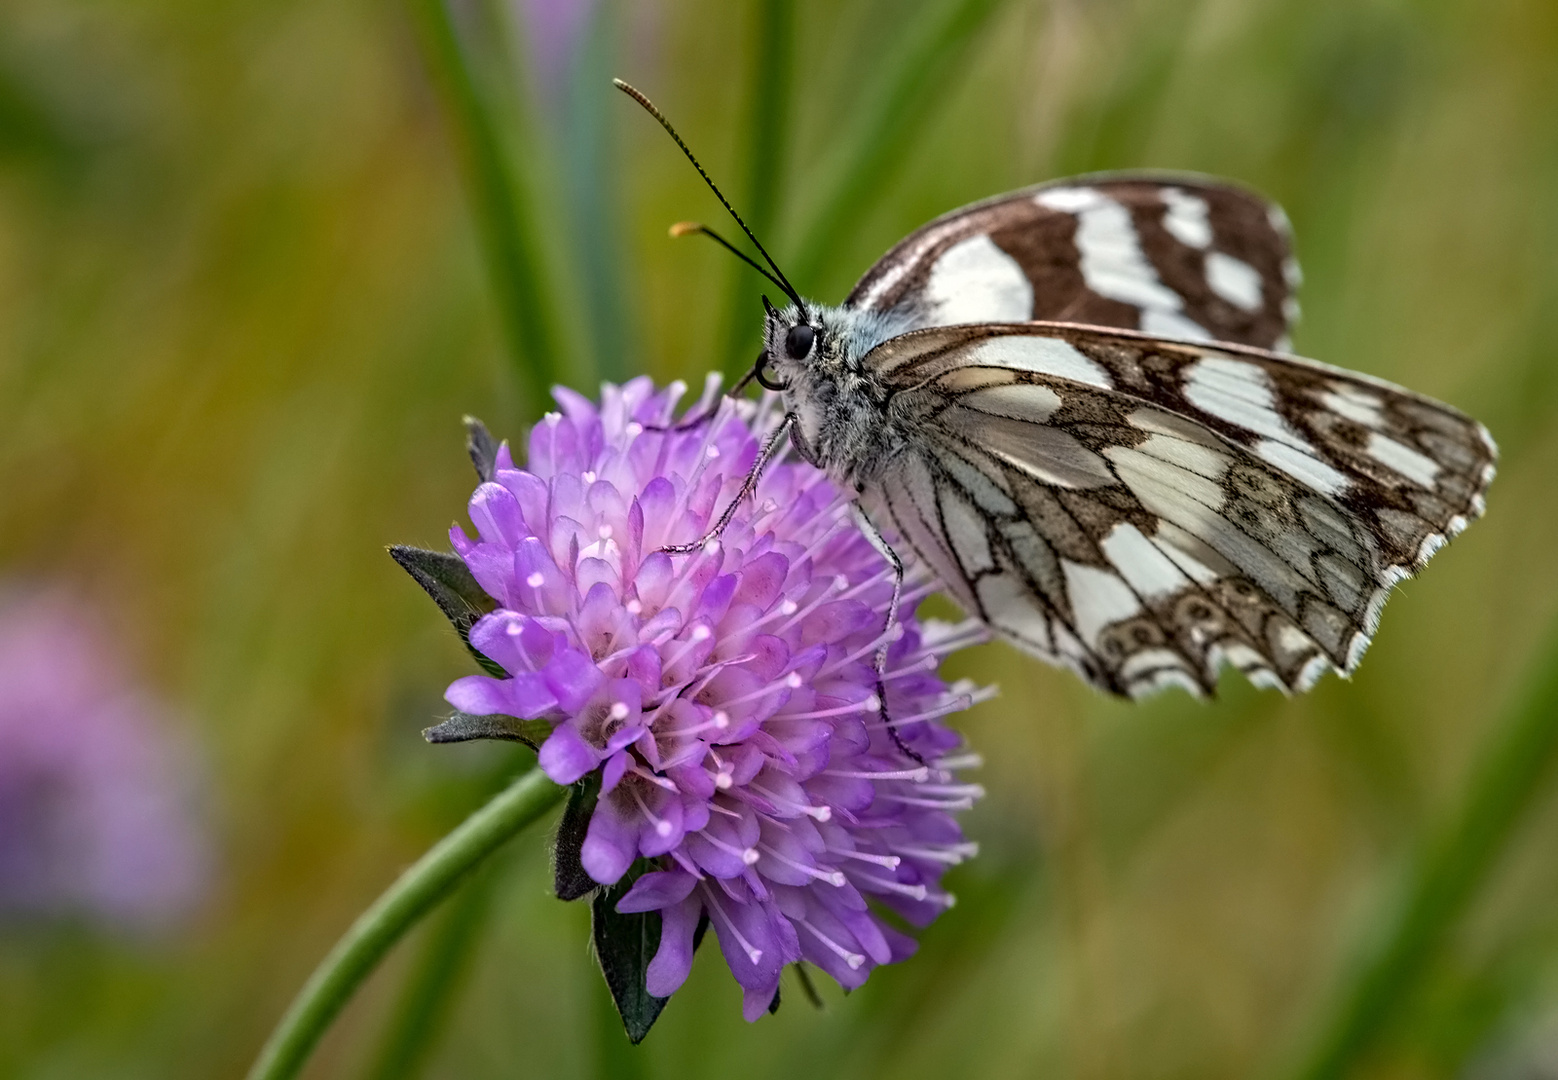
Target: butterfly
(1074, 404)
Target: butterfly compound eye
(797, 343)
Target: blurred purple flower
(554, 30)
(727, 698)
(94, 809)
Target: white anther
(712, 452)
(873, 704)
(789, 607)
(794, 680)
(604, 532)
(553, 418)
(536, 580)
(840, 583)
(663, 827)
(634, 607)
(711, 548)
(620, 711)
(701, 633)
(722, 719)
(723, 781)
(588, 476)
(750, 856)
(634, 429)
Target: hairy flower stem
(412, 896)
(432, 988)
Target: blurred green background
(257, 259)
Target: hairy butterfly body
(1072, 404)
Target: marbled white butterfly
(1074, 405)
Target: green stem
(431, 988)
(1447, 877)
(412, 896)
(507, 222)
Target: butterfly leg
(869, 530)
(764, 456)
(684, 425)
(707, 414)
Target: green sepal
(624, 945)
(463, 727)
(808, 987)
(445, 577)
(483, 451)
(568, 875)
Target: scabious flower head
(727, 698)
(94, 812)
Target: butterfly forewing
(1178, 257)
(1143, 511)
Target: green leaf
(568, 876)
(445, 577)
(624, 945)
(464, 727)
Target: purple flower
(94, 809)
(727, 698)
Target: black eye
(797, 343)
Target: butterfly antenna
(777, 277)
(690, 228)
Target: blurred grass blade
(433, 983)
(593, 198)
(504, 210)
(768, 141)
(398, 908)
(1454, 865)
(912, 83)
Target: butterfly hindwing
(1179, 257)
(1143, 511)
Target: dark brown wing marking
(1143, 511)
(1178, 256)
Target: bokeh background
(258, 258)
